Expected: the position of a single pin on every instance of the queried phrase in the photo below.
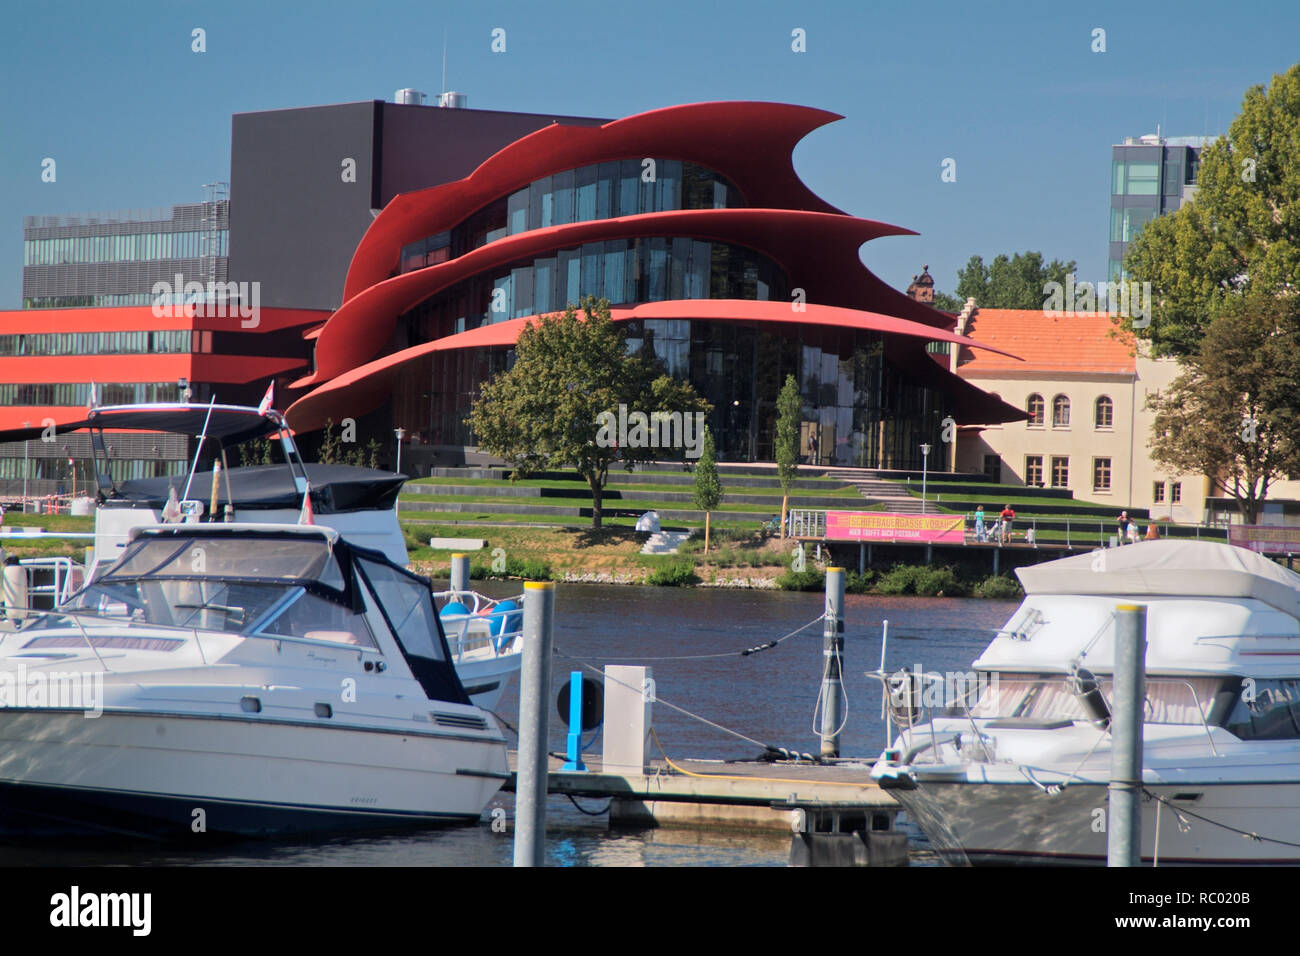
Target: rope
(724, 776)
(590, 813)
(704, 657)
(1180, 812)
(671, 706)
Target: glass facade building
(1149, 177)
(114, 259)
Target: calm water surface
(767, 696)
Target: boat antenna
(199, 449)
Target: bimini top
(334, 488)
(1169, 569)
(229, 424)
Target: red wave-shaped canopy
(365, 387)
(751, 143)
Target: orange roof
(1082, 342)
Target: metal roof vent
(409, 97)
(454, 101)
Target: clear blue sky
(1011, 91)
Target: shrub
(855, 583)
(673, 574)
(900, 579)
(999, 586)
(811, 580)
(531, 569)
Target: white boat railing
(65, 579)
(486, 630)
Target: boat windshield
(257, 558)
(1170, 700)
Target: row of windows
(1060, 475)
(58, 469)
(70, 394)
(124, 248)
(599, 191)
(1103, 411)
(1175, 492)
(620, 270)
(104, 343)
(86, 301)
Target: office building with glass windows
(1149, 176)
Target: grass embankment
(74, 548)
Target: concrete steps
(876, 489)
(665, 542)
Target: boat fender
(14, 589)
(1085, 686)
(452, 609)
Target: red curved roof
(366, 387)
(819, 251)
(751, 143)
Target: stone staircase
(664, 542)
(876, 489)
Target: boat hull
(178, 777)
(1011, 823)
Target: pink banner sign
(885, 526)
(1265, 538)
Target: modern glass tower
(1149, 176)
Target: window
(1060, 472)
(1101, 474)
(993, 468)
(1143, 179)
(1035, 407)
(1175, 491)
(1060, 412)
(1158, 492)
(1270, 713)
(1034, 471)
(1105, 412)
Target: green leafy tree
(947, 303)
(708, 489)
(1009, 283)
(789, 408)
(1234, 411)
(558, 406)
(1241, 231)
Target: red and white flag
(267, 400)
(306, 516)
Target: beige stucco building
(1085, 391)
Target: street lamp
(400, 433)
(26, 465)
(925, 468)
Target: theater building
(693, 224)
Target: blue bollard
(574, 761)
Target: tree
(576, 397)
(789, 408)
(708, 489)
(1010, 283)
(1233, 413)
(1241, 231)
(947, 303)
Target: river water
(769, 696)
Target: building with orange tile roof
(1084, 384)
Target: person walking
(1121, 529)
(1007, 516)
(980, 533)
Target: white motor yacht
(240, 679)
(359, 503)
(1018, 770)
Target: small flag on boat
(267, 400)
(306, 516)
